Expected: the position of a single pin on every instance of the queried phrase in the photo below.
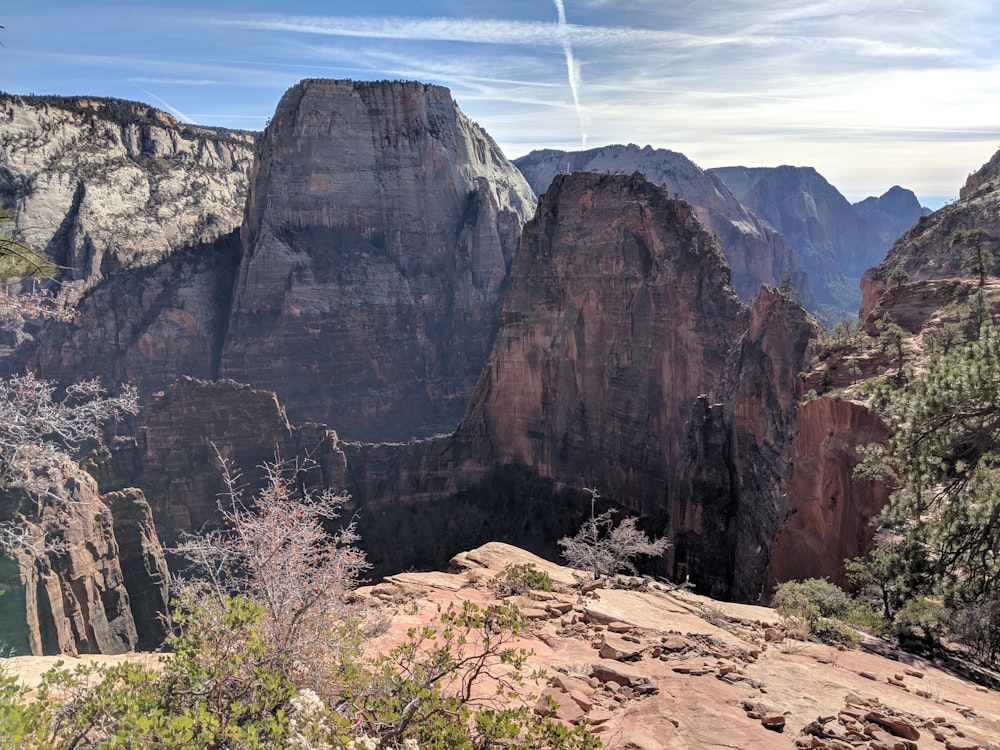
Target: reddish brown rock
(617, 648)
(833, 510)
(76, 595)
(895, 724)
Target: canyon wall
(379, 231)
(93, 578)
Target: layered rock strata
(102, 184)
(379, 230)
(82, 560)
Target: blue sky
(870, 93)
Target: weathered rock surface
(834, 243)
(729, 688)
(756, 253)
(624, 361)
(925, 252)
(195, 422)
(379, 230)
(102, 184)
(146, 326)
(81, 562)
(832, 509)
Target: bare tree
(273, 548)
(38, 431)
(605, 549)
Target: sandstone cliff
(625, 361)
(832, 509)
(925, 252)
(93, 578)
(101, 184)
(379, 230)
(193, 423)
(756, 253)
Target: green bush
(519, 579)
(816, 608)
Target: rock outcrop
(82, 559)
(379, 230)
(756, 253)
(926, 251)
(104, 184)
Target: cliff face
(832, 509)
(194, 422)
(93, 576)
(756, 253)
(379, 230)
(146, 326)
(925, 252)
(101, 184)
(625, 362)
(834, 243)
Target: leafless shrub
(605, 549)
(274, 549)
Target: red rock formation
(379, 229)
(77, 579)
(193, 422)
(832, 510)
(625, 362)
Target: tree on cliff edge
(943, 520)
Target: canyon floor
(655, 667)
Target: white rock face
(101, 184)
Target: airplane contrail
(572, 68)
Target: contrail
(172, 110)
(572, 69)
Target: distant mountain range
(832, 242)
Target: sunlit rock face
(625, 362)
(378, 235)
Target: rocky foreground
(653, 667)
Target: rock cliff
(193, 423)
(93, 578)
(925, 252)
(830, 521)
(101, 184)
(625, 361)
(756, 253)
(379, 230)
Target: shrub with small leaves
(519, 579)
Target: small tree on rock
(605, 549)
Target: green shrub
(519, 579)
(813, 606)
